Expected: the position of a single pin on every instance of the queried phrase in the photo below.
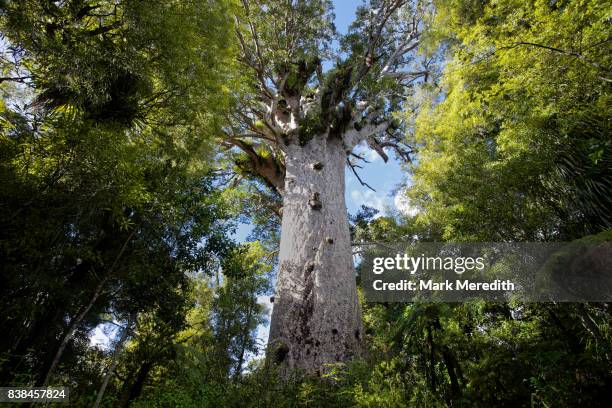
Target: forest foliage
(118, 207)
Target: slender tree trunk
(70, 332)
(451, 367)
(78, 319)
(244, 339)
(589, 324)
(451, 363)
(135, 389)
(317, 317)
(114, 361)
(432, 359)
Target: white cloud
(371, 155)
(370, 199)
(103, 335)
(364, 150)
(402, 203)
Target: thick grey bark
(316, 319)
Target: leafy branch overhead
(120, 277)
(306, 81)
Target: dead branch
(352, 167)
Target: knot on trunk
(317, 166)
(309, 268)
(315, 202)
(329, 240)
(280, 353)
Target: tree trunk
(451, 367)
(243, 341)
(134, 389)
(114, 361)
(432, 359)
(74, 325)
(317, 317)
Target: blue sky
(345, 13)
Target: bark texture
(316, 318)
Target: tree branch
(400, 75)
(352, 167)
(360, 157)
(565, 52)
(15, 79)
(268, 168)
(378, 148)
(354, 136)
(384, 13)
(403, 49)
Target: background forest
(119, 202)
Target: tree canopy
(136, 135)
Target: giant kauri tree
(312, 97)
